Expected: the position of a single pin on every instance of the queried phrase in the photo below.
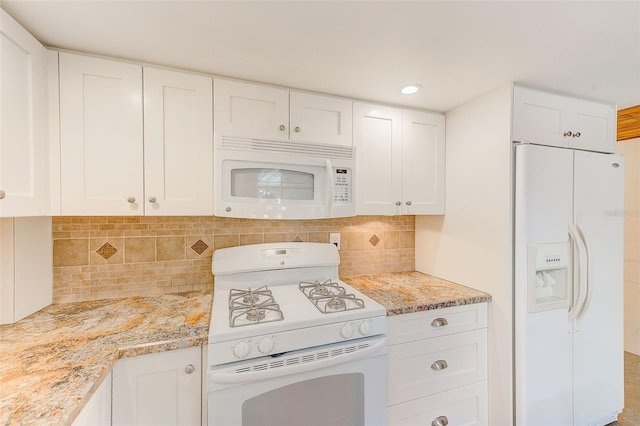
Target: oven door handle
(253, 376)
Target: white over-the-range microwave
(271, 179)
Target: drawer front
(429, 366)
(464, 406)
(437, 322)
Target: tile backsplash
(107, 257)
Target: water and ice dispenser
(548, 284)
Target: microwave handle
(329, 194)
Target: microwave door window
(272, 184)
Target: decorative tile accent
(374, 240)
(106, 251)
(199, 247)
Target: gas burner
(330, 296)
(250, 306)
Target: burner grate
(330, 297)
(247, 307)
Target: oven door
(338, 384)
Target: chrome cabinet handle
(567, 133)
(408, 203)
(441, 364)
(297, 129)
(152, 200)
(398, 203)
(2, 195)
(439, 322)
(189, 369)
(282, 127)
(131, 200)
(576, 135)
(440, 421)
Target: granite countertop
(406, 292)
(55, 359)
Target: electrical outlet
(334, 238)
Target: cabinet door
(250, 110)
(595, 124)
(321, 119)
(97, 412)
(23, 141)
(377, 132)
(540, 117)
(158, 389)
(178, 140)
(423, 163)
(100, 136)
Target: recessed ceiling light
(410, 89)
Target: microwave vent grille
(287, 147)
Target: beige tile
(352, 241)
(297, 235)
(106, 251)
(170, 248)
(275, 237)
(223, 241)
(391, 239)
(139, 249)
(407, 239)
(318, 237)
(74, 252)
(246, 239)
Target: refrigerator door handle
(587, 269)
(580, 287)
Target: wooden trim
(629, 123)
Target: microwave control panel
(342, 185)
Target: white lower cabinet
(97, 412)
(163, 388)
(438, 367)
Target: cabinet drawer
(438, 322)
(465, 406)
(428, 366)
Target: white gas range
(283, 327)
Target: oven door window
(272, 184)
(327, 400)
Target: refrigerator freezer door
(543, 342)
(598, 340)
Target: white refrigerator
(568, 294)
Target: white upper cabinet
(101, 146)
(550, 119)
(23, 122)
(400, 161)
(178, 140)
(253, 110)
(423, 162)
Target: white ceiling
(365, 49)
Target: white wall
(631, 151)
(471, 244)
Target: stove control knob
(242, 349)
(266, 345)
(365, 328)
(346, 331)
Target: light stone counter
(53, 361)
(406, 292)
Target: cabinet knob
(408, 203)
(282, 127)
(189, 369)
(2, 195)
(297, 129)
(441, 364)
(567, 133)
(131, 200)
(440, 421)
(152, 200)
(576, 135)
(398, 203)
(439, 322)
